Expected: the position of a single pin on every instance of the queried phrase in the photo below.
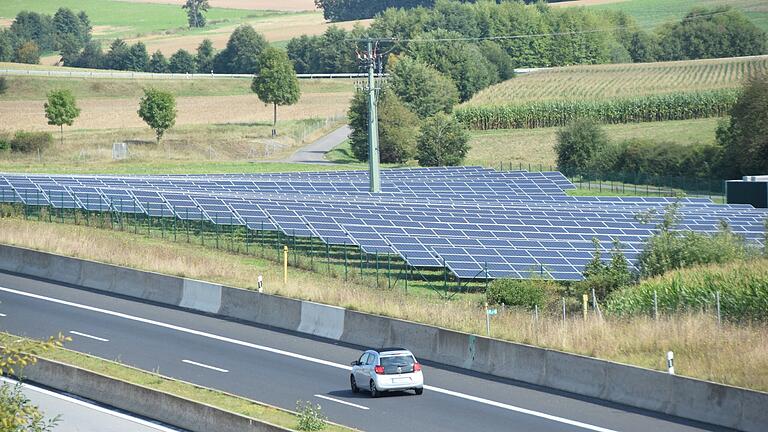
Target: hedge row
(673, 106)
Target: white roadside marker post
(671, 362)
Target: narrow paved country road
(77, 415)
(281, 368)
(315, 153)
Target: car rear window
(392, 363)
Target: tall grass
(673, 106)
(730, 354)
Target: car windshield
(392, 363)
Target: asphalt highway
(281, 368)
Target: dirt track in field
(121, 113)
(282, 5)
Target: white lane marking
(91, 406)
(3, 315)
(85, 335)
(518, 409)
(342, 402)
(301, 357)
(203, 365)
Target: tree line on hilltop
(347, 10)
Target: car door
(359, 371)
(369, 365)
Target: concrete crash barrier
(615, 382)
(167, 408)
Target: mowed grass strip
(607, 82)
(736, 355)
(155, 381)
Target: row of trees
(347, 10)
(583, 149)
(240, 55)
(32, 33)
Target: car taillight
(379, 370)
(416, 367)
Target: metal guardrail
(159, 76)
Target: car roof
(392, 350)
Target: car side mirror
(356, 363)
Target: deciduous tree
(61, 109)
(158, 109)
(196, 12)
(276, 82)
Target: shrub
(605, 278)
(661, 158)
(31, 142)
(310, 418)
(745, 136)
(577, 145)
(3, 85)
(442, 142)
(525, 293)
(670, 250)
(742, 285)
(5, 142)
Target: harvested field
(121, 113)
(281, 5)
(274, 28)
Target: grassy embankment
(155, 381)
(732, 354)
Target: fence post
(563, 299)
(717, 298)
(655, 306)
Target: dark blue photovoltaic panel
(478, 223)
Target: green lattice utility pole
(373, 124)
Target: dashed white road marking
(501, 405)
(86, 335)
(342, 402)
(203, 365)
(3, 315)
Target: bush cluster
(30, 142)
(525, 293)
(741, 147)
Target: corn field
(663, 107)
(602, 82)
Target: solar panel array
(477, 223)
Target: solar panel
(476, 222)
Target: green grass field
(520, 148)
(651, 13)
(125, 19)
(609, 81)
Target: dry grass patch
(122, 113)
(736, 355)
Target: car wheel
(353, 384)
(374, 391)
(419, 390)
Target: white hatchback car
(386, 369)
